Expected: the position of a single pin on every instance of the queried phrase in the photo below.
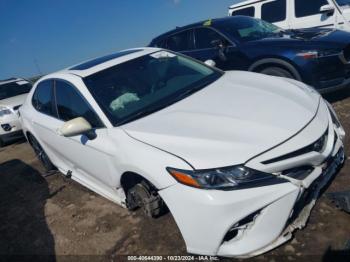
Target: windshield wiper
(140, 114)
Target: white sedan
(238, 158)
(13, 93)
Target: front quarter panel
(150, 162)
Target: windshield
(245, 29)
(343, 2)
(138, 87)
(14, 89)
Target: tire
(41, 154)
(277, 71)
(143, 196)
(1, 143)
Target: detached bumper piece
(341, 201)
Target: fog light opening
(237, 229)
(6, 127)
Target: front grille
(299, 173)
(316, 146)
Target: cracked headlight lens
(228, 178)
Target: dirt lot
(57, 217)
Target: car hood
(304, 37)
(13, 101)
(230, 121)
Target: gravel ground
(58, 219)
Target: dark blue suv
(318, 57)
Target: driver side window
(205, 36)
(71, 104)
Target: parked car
(293, 14)
(239, 158)
(318, 57)
(12, 95)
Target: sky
(43, 36)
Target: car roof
(208, 22)
(95, 65)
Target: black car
(318, 57)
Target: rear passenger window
(274, 11)
(205, 36)
(249, 11)
(181, 41)
(307, 8)
(70, 105)
(42, 98)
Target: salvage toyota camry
(239, 158)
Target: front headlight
(328, 52)
(228, 178)
(5, 111)
(312, 54)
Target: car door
(228, 58)
(307, 14)
(92, 160)
(44, 117)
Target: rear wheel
(144, 196)
(277, 71)
(40, 154)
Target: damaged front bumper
(245, 223)
(306, 202)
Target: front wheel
(41, 154)
(277, 71)
(143, 196)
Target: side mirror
(217, 44)
(210, 63)
(74, 127)
(327, 9)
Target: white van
(294, 14)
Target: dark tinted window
(70, 105)
(274, 11)
(147, 84)
(14, 89)
(243, 29)
(181, 41)
(42, 98)
(205, 36)
(249, 11)
(306, 8)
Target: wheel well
(130, 179)
(263, 66)
(275, 62)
